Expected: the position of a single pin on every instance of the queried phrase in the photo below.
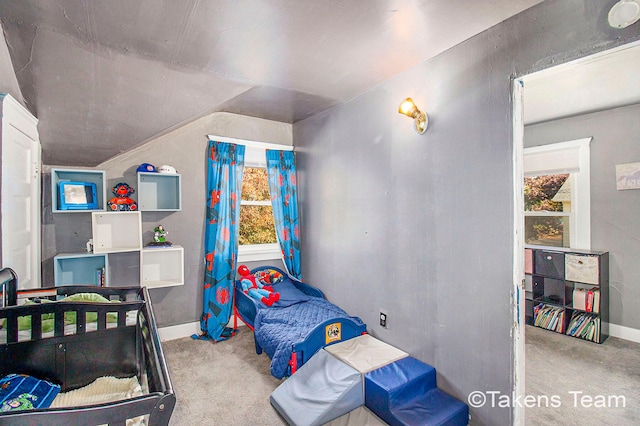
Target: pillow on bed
(22, 392)
(268, 276)
(289, 294)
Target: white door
(20, 192)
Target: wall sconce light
(420, 120)
(624, 13)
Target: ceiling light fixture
(624, 13)
(420, 120)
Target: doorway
(20, 192)
(583, 88)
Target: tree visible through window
(256, 215)
(547, 204)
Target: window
(256, 215)
(547, 204)
(557, 195)
(257, 239)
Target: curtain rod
(254, 144)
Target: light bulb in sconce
(420, 120)
(624, 13)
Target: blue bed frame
(246, 309)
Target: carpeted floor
(226, 383)
(223, 383)
(591, 382)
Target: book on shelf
(580, 298)
(101, 277)
(586, 299)
(596, 300)
(584, 325)
(549, 317)
(589, 306)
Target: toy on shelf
(255, 289)
(159, 238)
(122, 201)
(167, 169)
(146, 167)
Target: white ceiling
(104, 76)
(599, 82)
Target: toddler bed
(297, 325)
(74, 343)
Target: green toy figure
(159, 234)
(159, 238)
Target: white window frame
(255, 156)
(571, 157)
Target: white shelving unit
(162, 267)
(116, 232)
(159, 192)
(77, 175)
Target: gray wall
(614, 214)
(423, 226)
(8, 80)
(184, 148)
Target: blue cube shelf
(80, 269)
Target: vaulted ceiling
(105, 76)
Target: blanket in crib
(102, 390)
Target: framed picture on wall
(627, 176)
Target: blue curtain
(281, 169)
(224, 186)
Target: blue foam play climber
(405, 392)
(323, 389)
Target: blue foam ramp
(405, 393)
(323, 389)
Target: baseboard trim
(179, 331)
(626, 333)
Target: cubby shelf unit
(80, 269)
(116, 232)
(159, 192)
(558, 276)
(162, 267)
(77, 175)
(121, 231)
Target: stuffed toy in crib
(255, 288)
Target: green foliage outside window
(539, 191)
(256, 218)
(538, 194)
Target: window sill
(259, 252)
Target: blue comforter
(279, 327)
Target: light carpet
(222, 383)
(593, 384)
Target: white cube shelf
(80, 269)
(77, 175)
(116, 231)
(159, 192)
(162, 267)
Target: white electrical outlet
(383, 319)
